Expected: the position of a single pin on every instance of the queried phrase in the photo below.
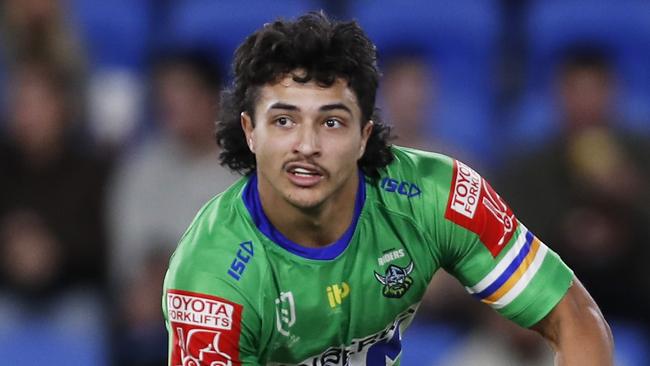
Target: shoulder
(429, 168)
(220, 236)
(430, 188)
(415, 176)
(408, 158)
(415, 187)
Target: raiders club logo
(396, 281)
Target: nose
(307, 143)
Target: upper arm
(498, 260)
(577, 310)
(207, 320)
(209, 316)
(577, 330)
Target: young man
(321, 253)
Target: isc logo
(404, 188)
(336, 293)
(238, 265)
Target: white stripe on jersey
(525, 279)
(503, 264)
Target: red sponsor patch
(205, 329)
(474, 205)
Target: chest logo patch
(285, 312)
(396, 280)
(390, 255)
(336, 294)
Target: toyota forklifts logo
(205, 329)
(474, 205)
(201, 348)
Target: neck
(315, 226)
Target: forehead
(306, 95)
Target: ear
(366, 131)
(248, 127)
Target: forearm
(587, 344)
(577, 331)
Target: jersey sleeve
(498, 260)
(209, 321)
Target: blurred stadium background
(106, 154)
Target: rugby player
(321, 253)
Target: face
(306, 139)
(186, 107)
(587, 97)
(37, 111)
(408, 89)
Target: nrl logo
(396, 281)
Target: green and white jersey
(239, 292)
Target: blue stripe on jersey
(254, 205)
(509, 271)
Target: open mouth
(302, 172)
(304, 175)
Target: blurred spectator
(408, 92)
(39, 29)
(140, 326)
(51, 233)
(156, 192)
(409, 95)
(586, 195)
(498, 342)
(50, 179)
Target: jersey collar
(253, 203)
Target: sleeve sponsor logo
(402, 188)
(205, 329)
(194, 310)
(474, 205)
(466, 189)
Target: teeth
(303, 172)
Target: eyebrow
(334, 106)
(324, 108)
(285, 106)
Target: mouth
(304, 175)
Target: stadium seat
(460, 40)
(224, 24)
(620, 27)
(115, 33)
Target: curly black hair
(325, 49)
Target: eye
(333, 123)
(283, 122)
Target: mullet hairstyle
(325, 49)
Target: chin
(307, 199)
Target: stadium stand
(460, 40)
(222, 25)
(621, 28)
